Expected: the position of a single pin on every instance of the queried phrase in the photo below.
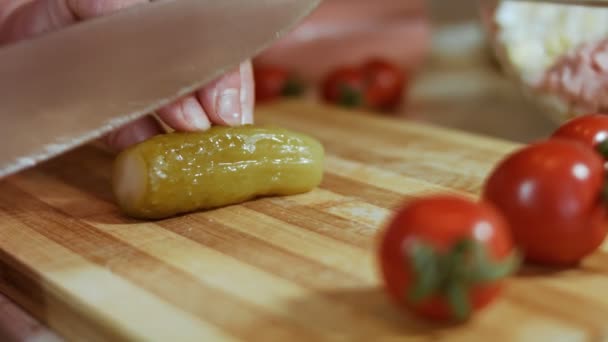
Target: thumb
(36, 17)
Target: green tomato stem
(425, 261)
(293, 87)
(604, 193)
(454, 273)
(459, 300)
(602, 148)
(350, 97)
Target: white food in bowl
(557, 52)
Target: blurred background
(454, 78)
(461, 85)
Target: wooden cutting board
(292, 268)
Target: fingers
(247, 92)
(229, 100)
(132, 133)
(32, 18)
(186, 114)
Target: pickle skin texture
(178, 173)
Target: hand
(228, 100)
(343, 32)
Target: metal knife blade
(65, 88)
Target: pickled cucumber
(178, 173)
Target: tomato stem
(604, 193)
(452, 274)
(293, 87)
(350, 97)
(602, 148)
(427, 268)
(459, 300)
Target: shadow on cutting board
(362, 313)
(83, 177)
(88, 169)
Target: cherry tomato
(273, 82)
(377, 85)
(590, 129)
(444, 257)
(385, 84)
(344, 86)
(551, 194)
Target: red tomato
(377, 85)
(550, 192)
(385, 84)
(444, 257)
(273, 82)
(344, 86)
(591, 129)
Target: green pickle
(178, 173)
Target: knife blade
(68, 87)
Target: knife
(65, 88)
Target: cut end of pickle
(130, 180)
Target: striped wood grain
(275, 269)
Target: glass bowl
(556, 53)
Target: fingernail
(246, 95)
(194, 115)
(228, 105)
